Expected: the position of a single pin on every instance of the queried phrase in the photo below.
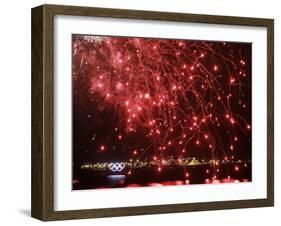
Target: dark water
(142, 177)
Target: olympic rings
(116, 167)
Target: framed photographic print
(140, 112)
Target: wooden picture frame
(43, 108)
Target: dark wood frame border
(42, 203)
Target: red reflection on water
(177, 182)
(216, 181)
(224, 180)
(121, 182)
(187, 182)
(133, 185)
(208, 181)
(155, 184)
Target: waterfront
(171, 175)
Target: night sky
(145, 99)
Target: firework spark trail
(178, 93)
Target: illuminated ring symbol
(116, 167)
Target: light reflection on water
(117, 177)
(120, 180)
(116, 180)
